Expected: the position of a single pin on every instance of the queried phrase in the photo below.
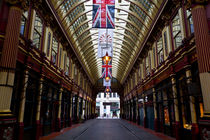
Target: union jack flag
(103, 13)
(107, 69)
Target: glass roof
(133, 19)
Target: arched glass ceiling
(133, 19)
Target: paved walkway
(108, 129)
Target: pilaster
(176, 109)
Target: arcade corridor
(149, 59)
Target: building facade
(43, 87)
(108, 105)
(167, 89)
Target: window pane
(165, 43)
(190, 22)
(37, 31)
(48, 43)
(160, 50)
(176, 27)
(54, 50)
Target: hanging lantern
(106, 58)
(107, 79)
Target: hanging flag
(106, 83)
(103, 13)
(106, 69)
(105, 41)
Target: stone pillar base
(195, 131)
(70, 122)
(7, 128)
(177, 127)
(58, 124)
(38, 130)
(204, 127)
(145, 122)
(156, 125)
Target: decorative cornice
(190, 3)
(22, 4)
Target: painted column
(202, 40)
(70, 117)
(194, 129)
(22, 106)
(137, 110)
(38, 125)
(9, 57)
(176, 109)
(78, 99)
(200, 8)
(155, 110)
(88, 110)
(85, 114)
(81, 109)
(59, 110)
(145, 122)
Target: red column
(202, 37)
(202, 41)
(8, 63)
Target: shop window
(190, 21)
(37, 34)
(176, 29)
(48, 43)
(160, 51)
(23, 22)
(54, 50)
(185, 103)
(30, 103)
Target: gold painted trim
(198, 6)
(6, 110)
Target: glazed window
(60, 56)
(23, 22)
(165, 43)
(176, 29)
(154, 56)
(37, 35)
(67, 65)
(190, 21)
(147, 64)
(114, 95)
(48, 43)
(54, 50)
(139, 73)
(160, 51)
